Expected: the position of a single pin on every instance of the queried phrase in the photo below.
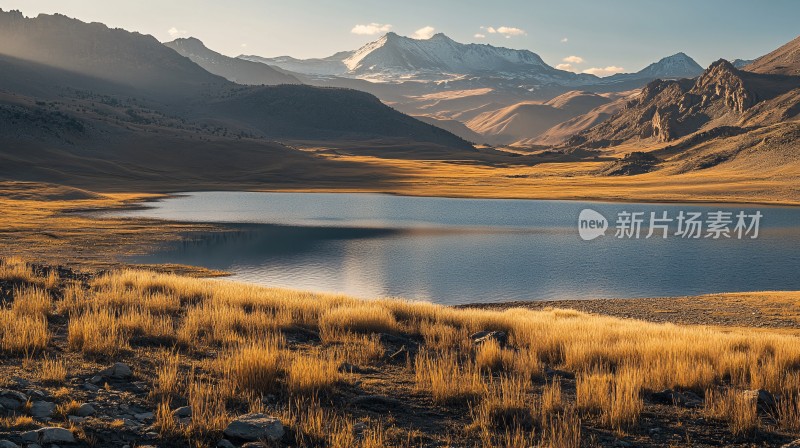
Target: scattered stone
(74, 419)
(48, 436)
(486, 336)
(252, 427)
(21, 382)
(225, 444)
(672, 397)
(91, 387)
(85, 410)
(42, 409)
(36, 393)
(764, 399)
(182, 412)
(118, 371)
(8, 444)
(11, 399)
(144, 416)
(130, 423)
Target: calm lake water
(472, 250)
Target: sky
(593, 36)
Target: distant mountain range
(481, 92)
(236, 70)
(71, 92)
(81, 99)
(395, 58)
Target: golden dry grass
(616, 362)
(736, 407)
(52, 371)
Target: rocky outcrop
(722, 96)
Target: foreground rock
(11, 399)
(119, 371)
(672, 397)
(254, 427)
(486, 336)
(49, 435)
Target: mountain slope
(112, 56)
(525, 121)
(82, 101)
(564, 130)
(783, 61)
(236, 70)
(721, 96)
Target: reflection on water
(460, 251)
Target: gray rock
(36, 393)
(485, 336)
(130, 423)
(33, 445)
(47, 436)
(764, 399)
(85, 410)
(252, 427)
(672, 397)
(225, 444)
(91, 387)
(144, 416)
(118, 371)
(8, 444)
(75, 420)
(21, 382)
(30, 436)
(254, 445)
(42, 409)
(182, 412)
(11, 399)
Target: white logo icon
(591, 224)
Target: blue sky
(591, 34)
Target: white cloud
(604, 71)
(175, 32)
(244, 45)
(507, 31)
(564, 40)
(424, 32)
(573, 59)
(480, 36)
(511, 31)
(371, 29)
(567, 67)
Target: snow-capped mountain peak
(399, 55)
(678, 65)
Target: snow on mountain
(677, 66)
(330, 66)
(398, 58)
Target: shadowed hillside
(82, 101)
(237, 70)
